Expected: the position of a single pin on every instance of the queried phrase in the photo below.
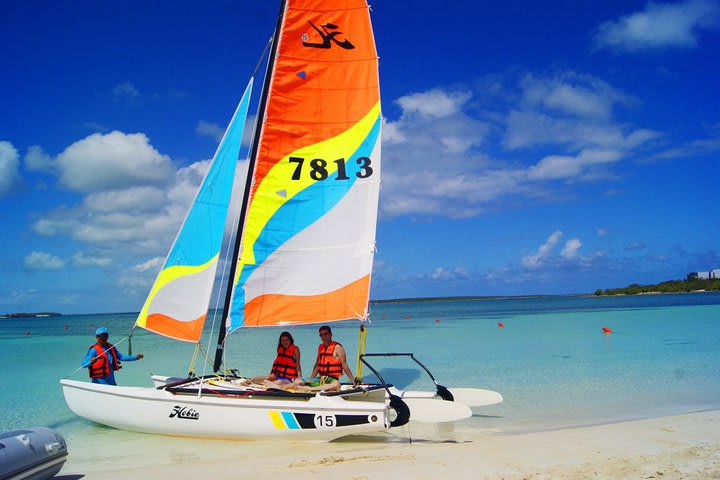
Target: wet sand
(673, 447)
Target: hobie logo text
(184, 412)
(328, 37)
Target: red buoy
(27, 333)
(437, 320)
(500, 324)
(606, 330)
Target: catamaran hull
(149, 410)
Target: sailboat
(302, 253)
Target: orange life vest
(285, 364)
(100, 367)
(328, 365)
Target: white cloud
(112, 161)
(536, 259)
(126, 90)
(556, 166)
(635, 246)
(135, 199)
(128, 211)
(9, 168)
(217, 132)
(43, 261)
(440, 159)
(572, 94)
(82, 260)
(37, 160)
(659, 26)
(125, 222)
(391, 132)
(430, 156)
(95, 126)
(210, 129)
(702, 146)
(528, 128)
(443, 274)
(153, 264)
(570, 250)
(433, 103)
(129, 223)
(570, 110)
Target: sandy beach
(673, 447)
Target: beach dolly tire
(401, 410)
(445, 394)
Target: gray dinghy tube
(33, 454)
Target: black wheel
(444, 393)
(401, 411)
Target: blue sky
(528, 147)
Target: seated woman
(286, 367)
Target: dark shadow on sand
(392, 438)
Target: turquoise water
(551, 361)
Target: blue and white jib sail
(178, 301)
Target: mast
(248, 186)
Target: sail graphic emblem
(328, 37)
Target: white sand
(676, 447)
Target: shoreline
(672, 447)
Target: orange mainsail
(308, 234)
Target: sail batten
(308, 233)
(179, 299)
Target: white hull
(149, 410)
(425, 406)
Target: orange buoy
(606, 330)
(500, 324)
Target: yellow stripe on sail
(168, 275)
(267, 201)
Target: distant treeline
(671, 286)
(23, 314)
(427, 299)
(466, 298)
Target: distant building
(710, 274)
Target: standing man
(103, 359)
(331, 362)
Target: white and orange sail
(178, 301)
(308, 233)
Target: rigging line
(191, 368)
(220, 348)
(229, 248)
(223, 278)
(259, 62)
(206, 359)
